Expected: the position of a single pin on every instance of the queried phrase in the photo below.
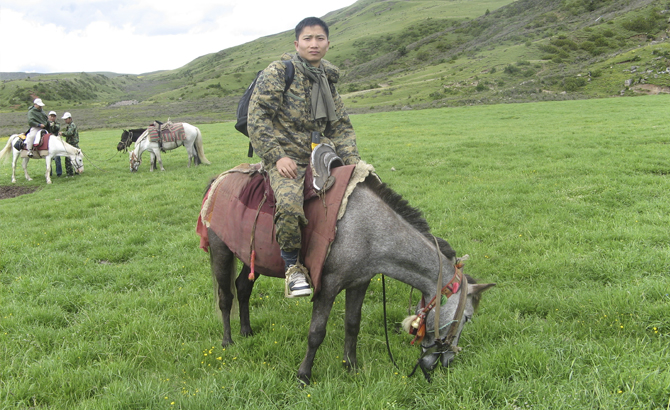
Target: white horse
(57, 148)
(192, 143)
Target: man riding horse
(281, 129)
(37, 121)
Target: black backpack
(243, 106)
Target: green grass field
(106, 300)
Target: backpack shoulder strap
(289, 74)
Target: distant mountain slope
(405, 54)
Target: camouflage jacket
(70, 133)
(280, 125)
(37, 117)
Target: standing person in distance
(54, 128)
(71, 136)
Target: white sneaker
(296, 282)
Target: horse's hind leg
(223, 263)
(14, 170)
(352, 322)
(24, 164)
(244, 288)
(160, 160)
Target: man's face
(312, 44)
(52, 118)
(68, 120)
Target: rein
(89, 158)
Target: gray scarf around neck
(323, 105)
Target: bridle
(134, 159)
(449, 343)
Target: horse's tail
(199, 148)
(7, 148)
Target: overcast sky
(137, 36)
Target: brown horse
(378, 233)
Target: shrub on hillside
(511, 69)
(573, 84)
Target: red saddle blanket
(169, 132)
(231, 208)
(40, 150)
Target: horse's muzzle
(430, 361)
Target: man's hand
(287, 168)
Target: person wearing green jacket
(71, 135)
(37, 120)
(54, 127)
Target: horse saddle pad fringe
(169, 132)
(238, 200)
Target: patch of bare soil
(11, 191)
(651, 89)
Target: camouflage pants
(289, 214)
(69, 169)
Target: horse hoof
(303, 380)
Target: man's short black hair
(309, 22)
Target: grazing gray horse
(378, 233)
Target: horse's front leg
(244, 288)
(321, 307)
(223, 264)
(352, 323)
(24, 164)
(48, 173)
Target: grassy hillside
(397, 55)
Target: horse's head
(135, 161)
(77, 162)
(452, 320)
(125, 141)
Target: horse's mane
(69, 148)
(410, 214)
(142, 137)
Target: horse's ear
(478, 288)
